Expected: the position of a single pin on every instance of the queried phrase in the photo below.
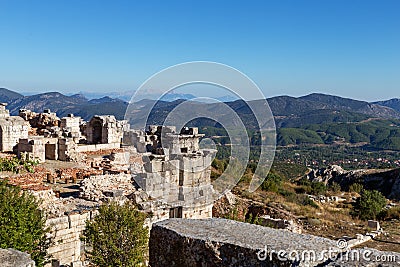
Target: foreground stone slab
(221, 242)
(14, 258)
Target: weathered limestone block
(374, 225)
(154, 166)
(12, 128)
(198, 211)
(34, 147)
(14, 258)
(66, 232)
(71, 124)
(221, 242)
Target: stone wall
(11, 130)
(105, 130)
(33, 147)
(97, 147)
(71, 124)
(66, 232)
(4, 113)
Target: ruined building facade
(176, 174)
(161, 170)
(105, 130)
(12, 128)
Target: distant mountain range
(62, 104)
(392, 103)
(288, 111)
(127, 96)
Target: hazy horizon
(94, 94)
(340, 48)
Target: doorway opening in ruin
(175, 212)
(181, 173)
(97, 132)
(51, 151)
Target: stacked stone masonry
(176, 174)
(12, 128)
(66, 234)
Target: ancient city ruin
(105, 159)
(161, 170)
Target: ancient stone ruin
(161, 170)
(112, 162)
(177, 173)
(12, 128)
(41, 136)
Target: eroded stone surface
(14, 258)
(221, 242)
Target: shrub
(356, 188)
(306, 201)
(16, 165)
(22, 224)
(299, 199)
(315, 188)
(303, 189)
(369, 204)
(272, 183)
(335, 187)
(255, 220)
(117, 236)
(389, 214)
(318, 188)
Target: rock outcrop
(385, 181)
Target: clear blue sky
(344, 47)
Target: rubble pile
(43, 120)
(74, 174)
(136, 167)
(31, 181)
(101, 187)
(102, 152)
(57, 207)
(117, 162)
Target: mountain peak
(393, 103)
(8, 96)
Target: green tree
(356, 187)
(335, 187)
(117, 236)
(318, 188)
(22, 224)
(369, 204)
(272, 183)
